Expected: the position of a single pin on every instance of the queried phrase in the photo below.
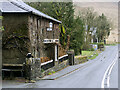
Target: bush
(91, 49)
(86, 47)
(49, 73)
(100, 45)
(42, 70)
(76, 51)
(53, 72)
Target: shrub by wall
(101, 44)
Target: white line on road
(108, 80)
(107, 74)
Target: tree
(92, 19)
(88, 17)
(103, 27)
(77, 36)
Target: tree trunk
(80, 52)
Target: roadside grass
(110, 44)
(90, 54)
(50, 73)
(118, 42)
(53, 72)
(1, 17)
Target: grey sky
(67, 0)
(96, 0)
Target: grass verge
(110, 44)
(91, 54)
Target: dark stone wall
(56, 68)
(32, 68)
(38, 32)
(15, 38)
(47, 66)
(39, 74)
(80, 60)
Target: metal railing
(63, 58)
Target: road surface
(102, 72)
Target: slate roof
(15, 6)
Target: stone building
(28, 30)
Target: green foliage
(101, 44)
(82, 58)
(94, 43)
(88, 17)
(1, 17)
(49, 73)
(91, 49)
(90, 54)
(93, 57)
(53, 72)
(92, 19)
(62, 34)
(77, 36)
(42, 70)
(103, 26)
(1, 28)
(114, 44)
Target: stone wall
(32, 68)
(33, 71)
(55, 68)
(80, 59)
(36, 71)
(38, 32)
(15, 38)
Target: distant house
(28, 30)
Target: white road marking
(102, 84)
(107, 74)
(108, 81)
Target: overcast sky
(96, 0)
(67, 0)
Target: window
(50, 26)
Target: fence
(63, 58)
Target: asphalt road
(101, 73)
